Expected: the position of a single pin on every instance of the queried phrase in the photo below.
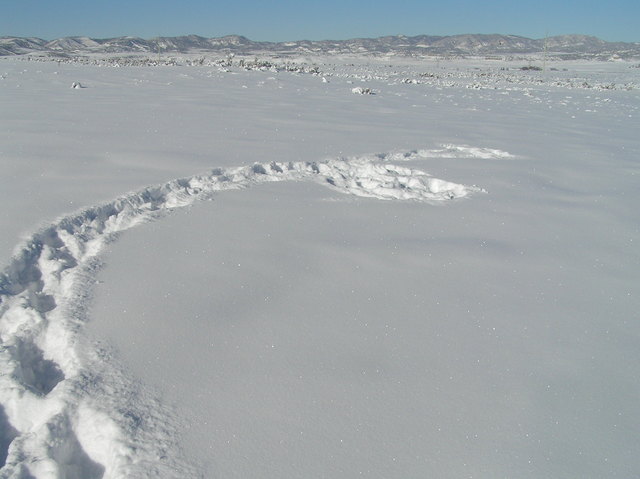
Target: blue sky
(612, 20)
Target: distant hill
(563, 46)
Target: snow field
(43, 394)
(516, 309)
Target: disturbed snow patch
(448, 151)
(65, 409)
(462, 151)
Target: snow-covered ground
(227, 271)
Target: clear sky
(612, 20)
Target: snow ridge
(65, 409)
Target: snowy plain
(331, 311)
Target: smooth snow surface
(292, 331)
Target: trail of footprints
(51, 425)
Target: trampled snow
(479, 321)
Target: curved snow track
(65, 411)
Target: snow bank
(66, 414)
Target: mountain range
(563, 46)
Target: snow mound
(65, 410)
(362, 91)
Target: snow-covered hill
(567, 46)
